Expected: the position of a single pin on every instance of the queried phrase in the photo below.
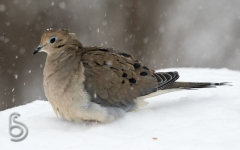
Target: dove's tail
(178, 86)
(190, 85)
(167, 80)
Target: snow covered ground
(192, 119)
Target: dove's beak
(37, 49)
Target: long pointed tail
(189, 85)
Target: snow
(2, 8)
(62, 5)
(191, 119)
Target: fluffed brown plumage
(95, 83)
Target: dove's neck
(62, 62)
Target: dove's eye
(53, 39)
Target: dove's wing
(115, 79)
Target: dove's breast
(63, 86)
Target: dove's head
(57, 40)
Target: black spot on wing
(132, 80)
(124, 75)
(136, 65)
(143, 73)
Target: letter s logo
(19, 125)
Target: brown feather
(116, 78)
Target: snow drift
(191, 119)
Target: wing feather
(114, 78)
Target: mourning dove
(96, 83)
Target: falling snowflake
(62, 5)
(2, 8)
(15, 76)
